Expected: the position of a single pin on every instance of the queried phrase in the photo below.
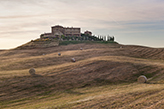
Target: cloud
(124, 10)
(123, 18)
(20, 16)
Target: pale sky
(139, 22)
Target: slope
(97, 66)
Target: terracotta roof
(57, 26)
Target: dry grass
(104, 76)
(107, 96)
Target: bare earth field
(103, 76)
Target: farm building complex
(57, 31)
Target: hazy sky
(137, 22)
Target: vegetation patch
(86, 42)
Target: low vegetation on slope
(39, 43)
(56, 41)
(103, 76)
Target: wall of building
(72, 32)
(47, 35)
(66, 31)
(60, 30)
(57, 28)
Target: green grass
(87, 42)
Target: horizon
(130, 22)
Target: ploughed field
(103, 76)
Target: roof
(57, 26)
(47, 33)
(87, 32)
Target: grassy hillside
(39, 43)
(46, 43)
(103, 76)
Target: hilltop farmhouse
(57, 31)
(88, 33)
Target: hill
(39, 43)
(103, 76)
(56, 41)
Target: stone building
(57, 31)
(46, 35)
(72, 32)
(88, 33)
